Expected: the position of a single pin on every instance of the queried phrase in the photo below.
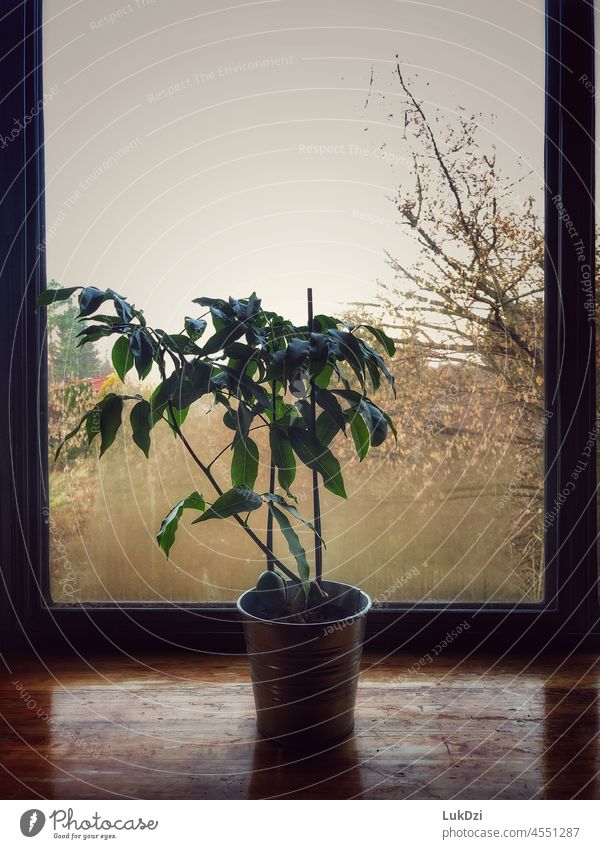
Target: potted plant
(300, 386)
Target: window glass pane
(387, 154)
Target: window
(260, 146)
(213, 152)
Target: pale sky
(214, 148)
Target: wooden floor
(182, 727)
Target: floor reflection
(571, 759)
(280, 772)
(25, 739)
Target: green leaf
(214, 302)
(53, 296)
(240, 419)
(382, 338)
(223, 337)
(330, 403)
(196, 382)
(326, 429)
(168, 528)
(160, 399)
(238, 308)
(291, 508)
(319, 353)
(296, 354)
(176, 416)
(285, 414)
(390, 424)
(93, 418)
(115, 320)
(375, 421)
(178, 342)
(375, 364)
(253, 307)
(276, 366)
(219, 318)
(140, 425)
(239, 351)
(294, 544)
(244, 465)
(139, 314)
(92, 425)
(194, 327)
(325, 322)
(374, 373)
(122, 308)
(72, 433)
(142, 349)
(240, 499)
(360, 434)
(319, 458)
(95, 332)
(122, 359)
(349, 395)
(182, 387)
(241, 383)
(245, 417)
(322, 381)
(305, 409)
(90, 299)
(350, 349)
(110, 420)
(283, 458)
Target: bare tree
(466, 309)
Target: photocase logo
(32, 822)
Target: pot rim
(347, 619)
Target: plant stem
(219, 491)
(315, 479)
(270, 564)
(220, 454)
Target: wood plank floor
(182, 727)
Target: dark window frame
(570, 611)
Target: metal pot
(304, 677)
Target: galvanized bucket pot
(304, 677)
